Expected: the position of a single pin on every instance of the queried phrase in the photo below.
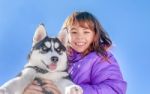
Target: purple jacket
(96, 76)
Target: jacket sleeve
(106, 78)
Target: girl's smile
(80, 43)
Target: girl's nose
(79, 36)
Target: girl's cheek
(69, 38)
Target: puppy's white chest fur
(54, 76)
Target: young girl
(91, 65)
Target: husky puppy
(47, 60)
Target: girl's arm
(106, 78)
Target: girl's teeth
(80, 44)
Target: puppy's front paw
(73, 89)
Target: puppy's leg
(3, 91)
(18, 84)
(73, 89)
(66, 86)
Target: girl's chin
(80, 50)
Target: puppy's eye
(58, 49)
(44, 48)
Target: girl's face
(80, 38)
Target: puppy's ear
(63, 36)
(39, 34)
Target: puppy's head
(47, 52)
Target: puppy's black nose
(54, 59)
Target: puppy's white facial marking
(48, 44)
(56, 45)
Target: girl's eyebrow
(85, 28)
(73, 28)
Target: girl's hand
(33, 89)
(50, 86)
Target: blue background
(126, 21)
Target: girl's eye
(73, 32)
(86, 32)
